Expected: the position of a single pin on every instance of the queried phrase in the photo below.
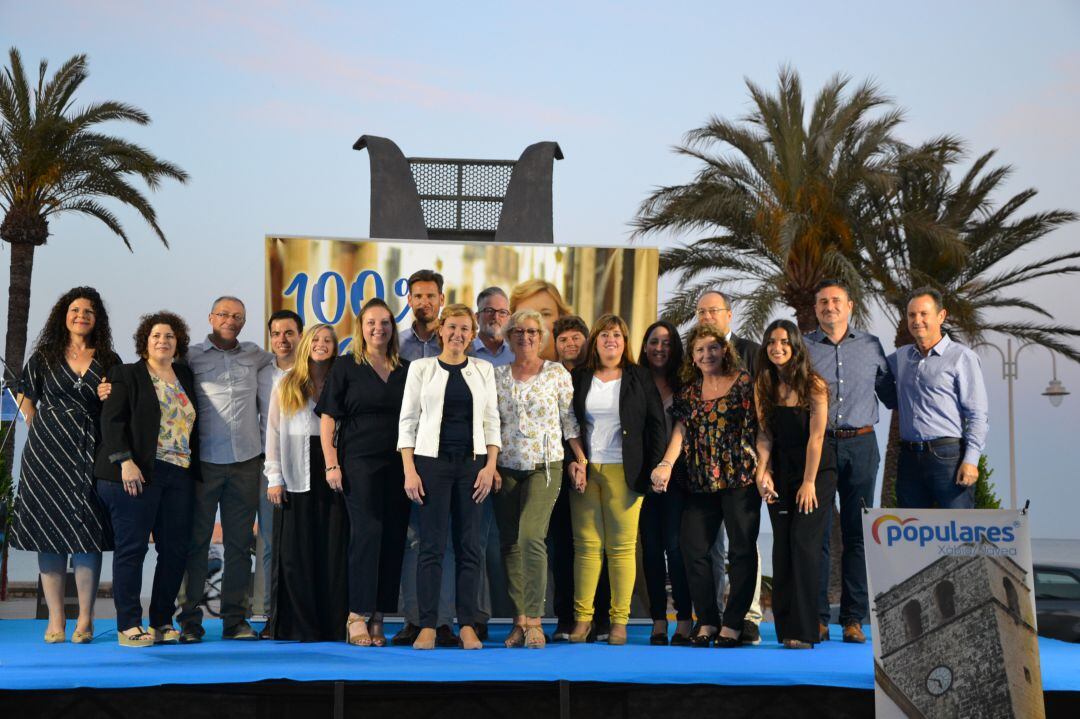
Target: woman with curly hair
(147, 463)
(57, 511)
(311, 525)
(793, 405)
(715, 428)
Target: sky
(261, 102)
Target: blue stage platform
(28, 664)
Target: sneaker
(823, 632)
(603, 631)
(192, 633)
(562, 632)
(406, 636)
(241, 631)
(751, 634)
(445, 637)
(853, 633)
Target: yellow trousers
(605, 521)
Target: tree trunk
(22, 268)
(892, 449)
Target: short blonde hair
(522, 315)
(456, 310)
(528, 288)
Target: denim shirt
(858, 377)
(226, 396)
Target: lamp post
(1055, 392)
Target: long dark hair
(675, 355)
(797, 373)
(53, 341)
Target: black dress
(57, 508)
(797, 537)
(366, 410)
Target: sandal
(796, 644)
(165, 634)
(516, 637)
(363, 639)
(139, 638)
(534, 637)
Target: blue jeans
(928, 477)
(857, 460)
(164, 508)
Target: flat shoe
(79, 637)
(796, 644)
(727, 642)
(534, 637)
(55, 637)
(659, 639)
(680, 640)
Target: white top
(420, 424)
(288, 445)
(536, 415)
(603, 428)
(268, 379)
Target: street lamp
(1055, 392)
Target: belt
(924, 446)
(848, 433)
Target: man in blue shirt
(426, 299)
(853, 363)
(492, 313)
(941, 399)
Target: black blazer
(130, 419)
(748, 350)
(641, 413)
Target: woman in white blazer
(449, 440)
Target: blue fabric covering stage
(27, 663)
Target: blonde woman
(536, 414)
(362, 401)
(310, 522)
(448, 436)
(545, 298)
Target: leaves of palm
(778, 196)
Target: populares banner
(953, 613)
(328, 280)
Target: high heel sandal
(516, 638)
(617, 639)
(80, 637)
(165, 634)
(363, 639)
(576, 638)
(534, 637)
(375, 629)
(141, 638)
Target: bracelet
(583, 462)
(331, 468)
(664, 463)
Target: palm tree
(777, 197)
(954, 236)
(54, 160)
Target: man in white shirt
(230, 451)
(285, 328)
(714, 308)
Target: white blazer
(422, 406)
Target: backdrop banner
(328, 279)
(953, 613)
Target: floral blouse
(177, 421)
(721, 435)
(535, 415)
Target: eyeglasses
(529, 332)
(502, 314)
(236, 316)
(709, 311)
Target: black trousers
(739, 510)
(661, 553)
(797, 556)
(561, 561)
(374, 489)
(448, 488)
(164, 508)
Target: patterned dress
(56, 508)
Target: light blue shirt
(480, 351)
(226, 397)
(941, 395)
(858, 376)
(413, 348)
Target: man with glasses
(492, 312)
(714, 308)
(230, 451)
